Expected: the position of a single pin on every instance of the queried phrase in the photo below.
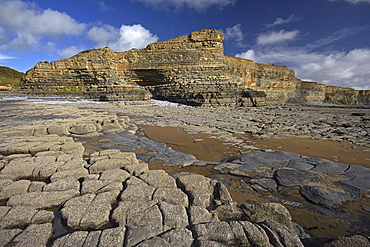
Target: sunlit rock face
(190, 69)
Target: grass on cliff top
(10, 77)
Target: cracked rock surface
(52, 194)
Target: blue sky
(327, 41)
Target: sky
(326, 41)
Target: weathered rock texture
(113, 199)
(190, 69)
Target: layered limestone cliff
(190, 69)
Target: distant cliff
(9, 78)
(190, 69)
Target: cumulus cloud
(122, 39)
(197, 5)
(70, 51)
(274, 37)
(25, 25)
(235, 34)
(312, 63)
(103, 34)
(353, 1)
(345, 69)
(280, 21)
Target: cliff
(190, 69)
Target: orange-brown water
(207, 148)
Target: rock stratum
(190, 69)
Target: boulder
(18, 217)
(14, 188)
(158, 179)
(89, 211)
(294, 177)
(135, 235)
(72, 239)
(218, 231)
(42, 200)
(140, 214)
(198, 188)
(112, 237)
(178, 237)
(68, 183)
(280, 235)
(255, 234)
(91, 186)
(330, 196)
(198, 215)
(75, 173)
(82, 129)
(331, 167)
(108, 164)
(174, 216)
(115, 175)
(171, 195)
(6, 235)
(137, 190)
(75, 148)
(268, 211)
(34, 235)
(58, 130)
(19, 168)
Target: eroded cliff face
(346, 96)
(99, 73)
(190, 69)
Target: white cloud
(345, 69)
(123, 39)
(280, 21)
(102, 34)
(354, 1)
(27, 25)
(198, 5)
(5, 57)
(274, 37)
(235, 34)
(69, 51)
(103, 7)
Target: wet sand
(341, 152)
(206, 147)
(202, 146)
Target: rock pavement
(111, 197)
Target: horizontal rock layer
(190, 69)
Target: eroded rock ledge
(190, 69)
